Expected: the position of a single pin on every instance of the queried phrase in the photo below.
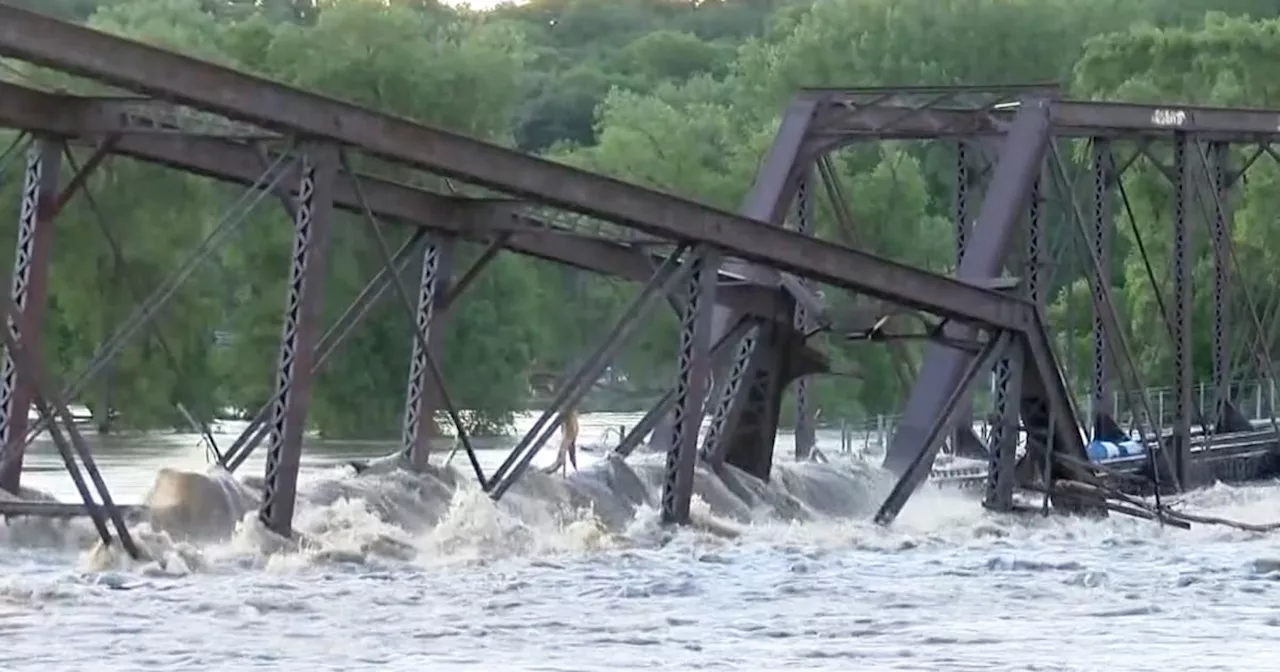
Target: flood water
(401, 572)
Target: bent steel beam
(28, 291)
(133, 65)
(1020, 159)
(467, 219)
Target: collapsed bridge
(744, 285)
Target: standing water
(401, 572)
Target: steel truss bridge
(746, 285)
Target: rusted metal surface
(753, 291)
(837, 117)
(474, 220)
(182, 79)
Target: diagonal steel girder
(153, 71)
(471, 219)
(944, 369)
(1020, 159)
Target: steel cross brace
(1116, 343)
(671, 272)
(28, 292)
(1225, 255)
(144, 313)
(134, 289)
(346, 323)
(420, 326)
(70, 446)
(917, 469)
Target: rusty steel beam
(836, 119)
(473, 220)
(983, 259)
(169, 76)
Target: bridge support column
(691, 387)
(1004, 436)
(424, 394)
(962, 217)
(745, 423)
(29, 293)
(288, 416)
(1223, 413)
(1184, 156)
(806, 412)
(1101, 235)
(673, 273)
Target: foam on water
(576, 573)
(439, 516)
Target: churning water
(401, 572)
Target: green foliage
(683, 96)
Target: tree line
(681, 95)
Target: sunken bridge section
(754, 290)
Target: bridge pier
(29, 287)
(691, 385)
(294, 373)
(424, 393)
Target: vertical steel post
(962, 200)
(1101, 243)
(287, 423)
(1220, 155)
(28, 291)
(1183, 204)
(806, 413)
(691, 389)
(1035, 242)
(1004, 436)
(962, 218)
(423, 396)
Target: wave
(388, 515)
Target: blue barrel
(1107, 451)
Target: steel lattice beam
(475, 220)
(169, 76)
(841, 118)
